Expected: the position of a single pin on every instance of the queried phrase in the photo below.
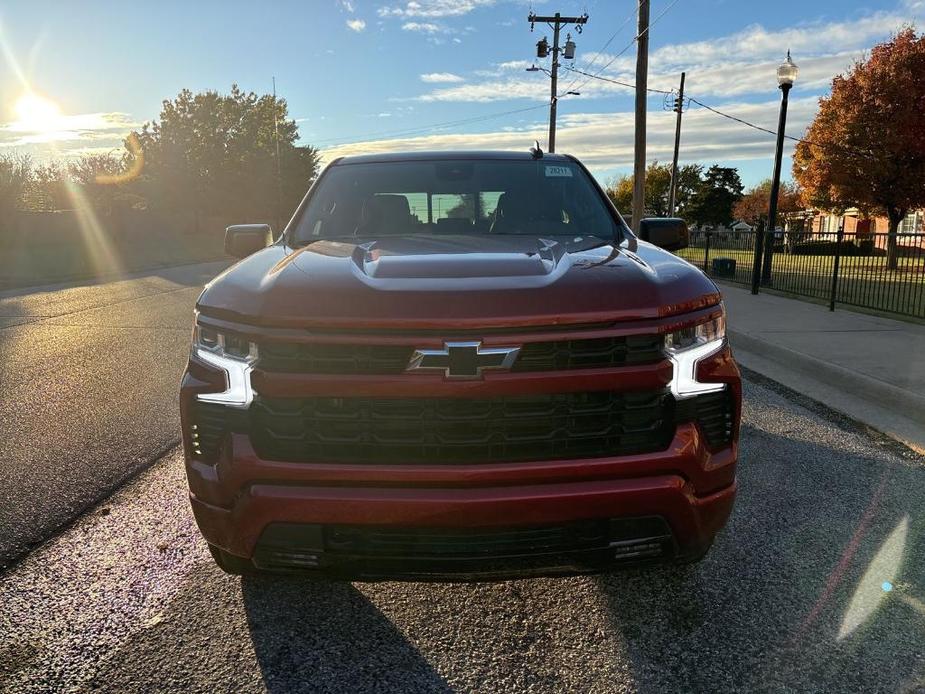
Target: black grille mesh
(713, 413)
(448, 430)
(430, 430)
(334, 358)
(589, 353)
(287, 357)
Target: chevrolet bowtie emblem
(463, 359)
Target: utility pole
(642, 77)
(556, 21)
(279, 173)
(673, 189)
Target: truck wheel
(229, 563)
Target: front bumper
(465, 520)
(238, 501)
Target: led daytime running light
(686, 348)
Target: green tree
(690, 177)
(211, 153)
(48, 191)
(15, 179)
(658, 182)
(97, 176)
(866, 147)
(620, 192)
(713, 202)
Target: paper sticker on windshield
(559, 171)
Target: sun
(37, 114)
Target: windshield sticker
(558, 171)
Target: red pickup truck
(459, 365)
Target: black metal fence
(839, 268)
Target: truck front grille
(456, 430)
(592, 353)
(603, 352)
(287, 357)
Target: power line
(772, 132)
(737, 119)
(425, 128)
(597, 54)
(729, 116)
(622, 84)
(630, 44)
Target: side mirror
(670, 233)
(243, 239)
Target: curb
(884, 394)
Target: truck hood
(464, 281)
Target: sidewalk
(869, 368)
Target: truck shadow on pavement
(816, 584)
(267, 634)
(316, 636)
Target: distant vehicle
(459, 365)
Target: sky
(378, 75)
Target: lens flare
(881, 572)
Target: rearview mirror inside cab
(669, 233)
(243, 239)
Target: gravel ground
(816, 585)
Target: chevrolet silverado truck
(459, 366)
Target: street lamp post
(786, 74)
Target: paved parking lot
(817, 584)
(90, 375)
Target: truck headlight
(232, 354)
(687, 347)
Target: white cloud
(357, 25)
(737, 64)
(439, 77)
(425, 27)
(495, 90)
(433, 8)
(347, 5)
(604, 141)
(84, 127)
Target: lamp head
(787, 72)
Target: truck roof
(445, 155)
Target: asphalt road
(88, 392)
(817, 584)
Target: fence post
(838, 241)
(706, 253)
(756, 264)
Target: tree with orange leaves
(754, 203)
(866, 146)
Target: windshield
(537, 198)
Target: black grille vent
(334, 358)
(212, 422)
(209, 424)
(448, 430)
(713, 413)
(588, 354)
(412, 542)
(592, 353)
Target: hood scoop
(473, 257)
